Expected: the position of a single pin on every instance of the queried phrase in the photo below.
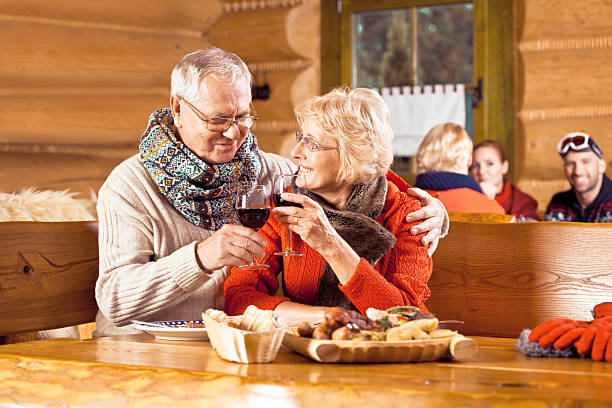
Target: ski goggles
(578, 141)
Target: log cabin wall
(78, 80)
(563, 79)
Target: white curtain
(415, 110)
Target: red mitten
(595, 339)
(548, 332)
(600, 342)
(569, 338)
(609, 350)
(602, 310)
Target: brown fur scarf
(357, 225)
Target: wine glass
(284, 184)
(253, 211)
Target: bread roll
(255, 319)
(220, 316)
(406, 332)
(427, 325)
(441, 333)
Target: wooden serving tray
(347, 351)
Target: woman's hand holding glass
(284, 184)
(308, 221)
(314, 228)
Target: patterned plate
(176, 330)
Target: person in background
(168, 226)
(442, 160)
(358, 252)
(590, 198)
(489, 168)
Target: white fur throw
(45, 205)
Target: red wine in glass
(284, 183)
(253, 217)
(279, 202)
(253, 211)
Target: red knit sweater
(399, 278)
(516, 202)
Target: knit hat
(578, 142)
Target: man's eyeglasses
(222, 124)
(577, 141)
(311, 144)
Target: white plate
(176, 330)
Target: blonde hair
(447, 147)
(358, 119)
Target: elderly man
(168, 226)
(590, 198)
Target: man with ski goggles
(590, 198)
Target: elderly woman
(358, 251)
(443, 159)
(489, 168)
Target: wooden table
(140, 371)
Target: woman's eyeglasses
(311, 144)
(222, 124)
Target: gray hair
(188, 73)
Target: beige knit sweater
(148, 267)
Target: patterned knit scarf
(203, 193)
(357, 225)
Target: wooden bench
(48, 272)
(486, 218)
(502, 277)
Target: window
(386, 54)
(421, 45)
(354, 42)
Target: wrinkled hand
(488, 189)
(229, 246)
(432, 213)
(309, 222)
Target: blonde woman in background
(443, 160)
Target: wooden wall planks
(178, 15)
(566, 78)
(254, 35)
(70, 168)
(85, 119)
(562, 83)
(555, 19)
(43, 54)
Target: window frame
(493, 59)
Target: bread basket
(243, 346)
